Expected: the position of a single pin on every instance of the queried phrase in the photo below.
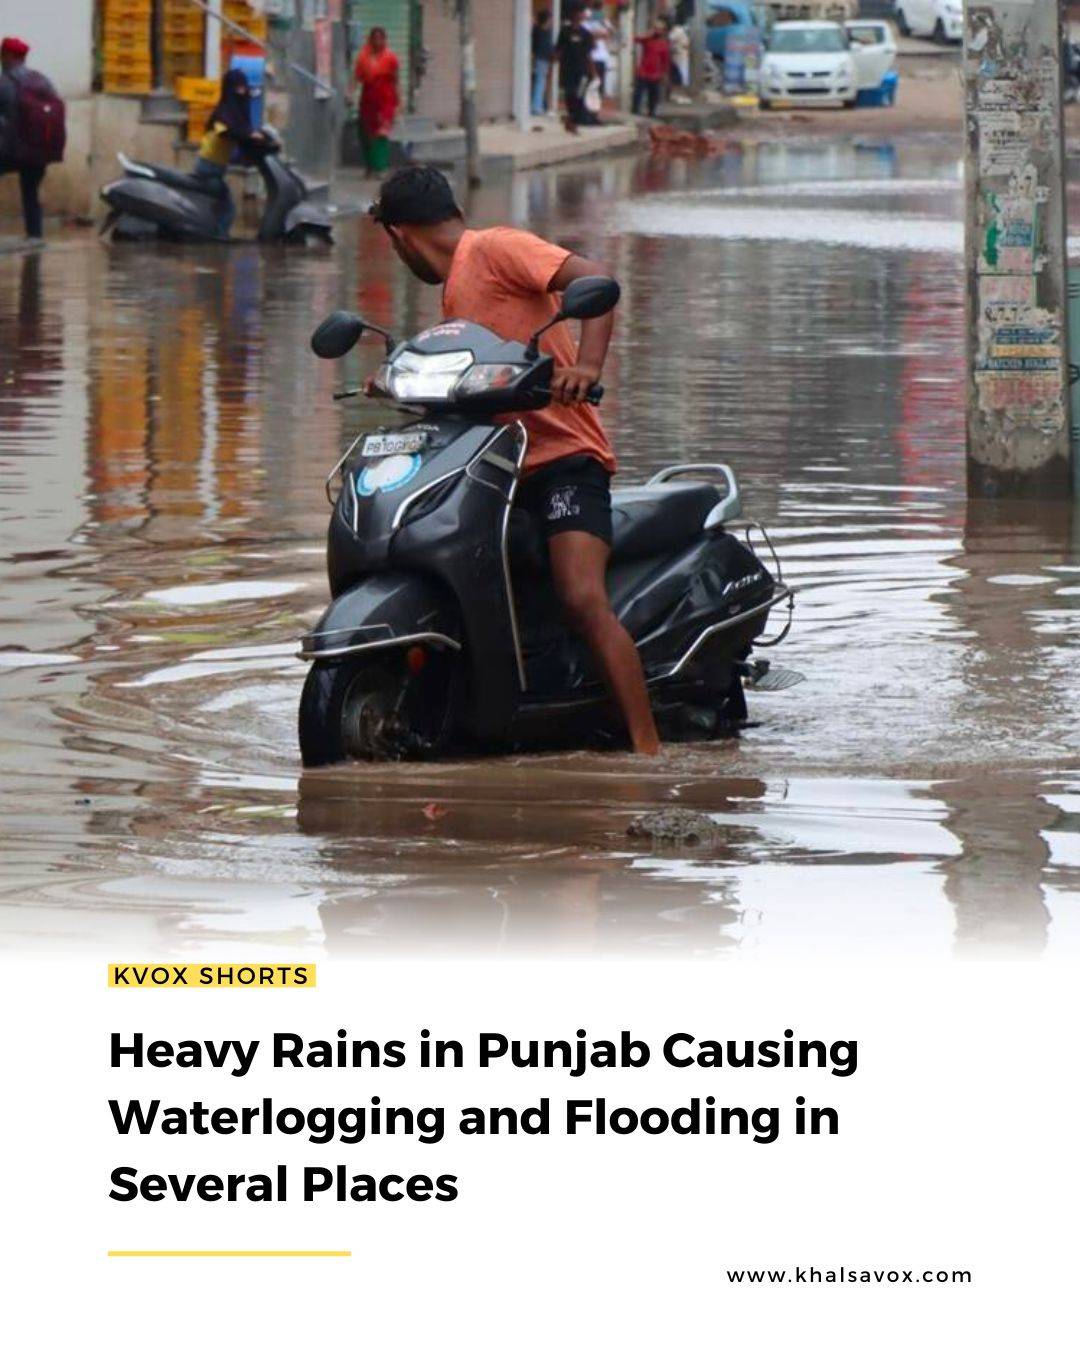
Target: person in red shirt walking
(654, 63)
(32, 129)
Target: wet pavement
(794, 309)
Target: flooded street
(795, 310)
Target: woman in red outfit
(376, 73)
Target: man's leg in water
(578, 565)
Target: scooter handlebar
(594, 396)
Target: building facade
(110, 58)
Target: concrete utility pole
(522, 87)
(468, 92)
(1017, 386)
(699, 52)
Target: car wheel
(764, 104)
(850, 102)
(902, 23)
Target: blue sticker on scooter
(388, 474)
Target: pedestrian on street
(679, 42)
(377, 70)
(654, 61)
(602, 33)
(32, 131)
(543, 50)
(573, 51)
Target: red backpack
(40, 122)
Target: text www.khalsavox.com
(847, 1275)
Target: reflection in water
(1020, 694)
(164, 433)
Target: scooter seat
(185, 182)
(647, 521)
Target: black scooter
(443, 632)
(153, 202)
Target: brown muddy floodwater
(795, 310)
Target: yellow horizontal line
(228, 1253)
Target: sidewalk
(503, 147)
(913, 46)
(700, 116)
(17, 244)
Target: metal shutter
(393, 15)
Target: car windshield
(807, 40)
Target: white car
(943, 20)
(807, 62)
(873, 49)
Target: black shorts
(571, 494)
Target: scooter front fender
(387, 609)
(310, 216)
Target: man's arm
(571, 384)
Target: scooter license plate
(394, 443)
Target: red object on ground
(434, 811)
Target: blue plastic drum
(254, 67)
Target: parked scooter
(443, 632)
(154, 202)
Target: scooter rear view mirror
(589, 298)
(585, 298)
(336, 335)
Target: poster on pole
(323, 56)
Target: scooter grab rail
(724, 507)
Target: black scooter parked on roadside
(443, 632)
(152, 202)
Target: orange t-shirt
(499, 278)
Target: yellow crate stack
(127, 53)
(200, 97)
(182, 34)
(248, 17)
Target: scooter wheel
(380, 707)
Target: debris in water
(675, 825)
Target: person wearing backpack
(32, 131)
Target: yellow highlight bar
(228, 1253)
(195, 976)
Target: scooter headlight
(415, 377)
(487, 379)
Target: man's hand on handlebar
(571, 384)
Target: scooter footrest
(774, 679)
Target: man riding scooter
(508, 280)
